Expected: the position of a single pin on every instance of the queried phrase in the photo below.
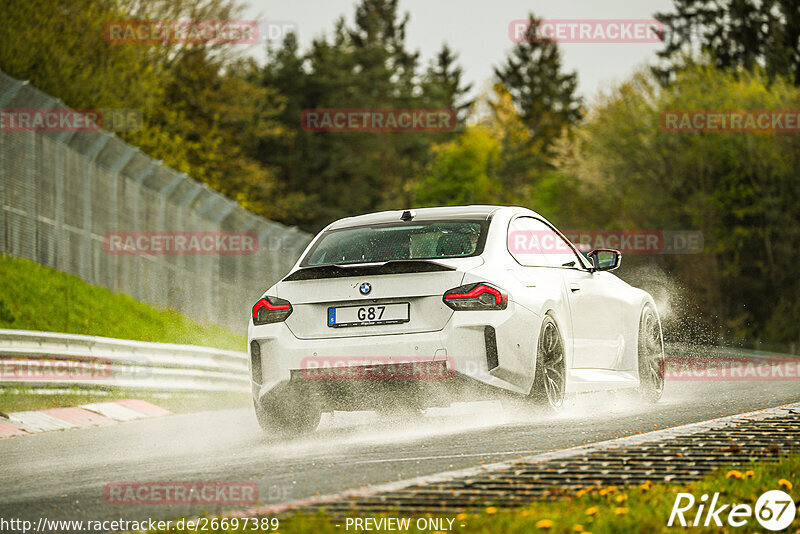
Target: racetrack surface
(61, 475)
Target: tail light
(480, 296)
(271, 310)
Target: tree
(363, 65)
(200, 113)
(462, 171)
(735, 34)
(543, 94)
(443, 85)
(739, 189)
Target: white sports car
(418, 308)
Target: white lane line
(437, 457)
(647, 437)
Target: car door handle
(574, 288)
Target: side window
(555, 248)
(523, 242)
(546, 248)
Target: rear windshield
(426, 240)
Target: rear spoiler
(390, 267)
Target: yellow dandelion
(622, 497)
(734, 474)
(620, 511)
(461, 516)
(544, 524)
(749, 474)
(491, 510)
(785, 484)
(592, 510)
(577, 528)
(608, 491)
(525, 513)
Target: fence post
(86, 272)
(194, 190)
(5, 97)
(56, 246)
(114, 171)
(137, 287)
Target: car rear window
(424, 240)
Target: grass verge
(40, 298)
(20, 399)
(644, 508)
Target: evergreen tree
(443, 84)
(543, 94)
(737, 34)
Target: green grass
(18, 400)
(600, 510)
(34, 297)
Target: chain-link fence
(62, 194)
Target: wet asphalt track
(61, 475)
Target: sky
(478, 30)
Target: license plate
(368, 315)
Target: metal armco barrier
(52, 360)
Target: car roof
(420, 214)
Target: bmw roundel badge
(365, 288)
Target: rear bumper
(460, 347)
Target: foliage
(637, 508)
(735, 33)
(529, 140)
(739, 189)
(543, 95)
(363, 66)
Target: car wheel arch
(553, 314)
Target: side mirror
(605, 259)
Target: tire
(651, 357)
(550, 380)
(274, 419)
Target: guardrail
(53, 360)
